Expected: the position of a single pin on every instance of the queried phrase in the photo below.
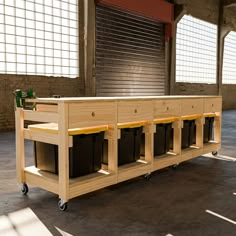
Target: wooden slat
(165, 161)
(210, 147)
(190, 153)
(132, 170)
(41, 116)
(90, 183)
(46, 108)
(209, 115)
(44, 137)
(41, 179)
(52, 128)
(90, 130)
(165, 120)
(133, 124)
(191, 117)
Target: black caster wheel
(62, 205)
(24, 189)
(214, 153)
(147, 176)
(175, 166)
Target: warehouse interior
(111, 48)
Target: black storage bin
(160, 140)
(169, 137)
(188, 133)
(129, 145)
(85, 156)
(105, 152)
(138, 142)
(45, 156)
(163, 139)
(208, 129)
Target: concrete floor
(173, 202)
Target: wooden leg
(20, 147)
(217, 129)
(148, 130)
(63, 157)
(199, 132)
(177, 126)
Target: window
(196, 42)
(39, 37)
(229, 63)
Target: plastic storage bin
(208, 129)
(85, 156)
(163, 139)
(188, 133)
(129, 145)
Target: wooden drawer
(91, 114)
(212, 105)
(164, 108)
(129, 111)
(192, 106)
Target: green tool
(20, 96)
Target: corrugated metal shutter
(130, 54)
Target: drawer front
(192, 106)
(212, 105)
(91, 114)
(164, 108)
(134, 111)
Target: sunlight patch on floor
(22, 222)
(63, 233)
(220, 157)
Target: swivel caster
(147, 176)
(62, 205)
(214, 153)
(24, 189)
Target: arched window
(229, 62)
(39, 37)
(196, 42)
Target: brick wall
(43, 86)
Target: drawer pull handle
(167, 108)
(192, 106)
(135, 111)
(212, 105)
(92, 114)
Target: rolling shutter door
(130, 54)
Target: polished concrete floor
(197, 198)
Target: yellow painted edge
(133, 124)
(44, 129)
(191, 117)
(85, 130)
(165, 120)
(209, 115)
(89, 130)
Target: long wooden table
(71, 116)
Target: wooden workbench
(71, 116)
